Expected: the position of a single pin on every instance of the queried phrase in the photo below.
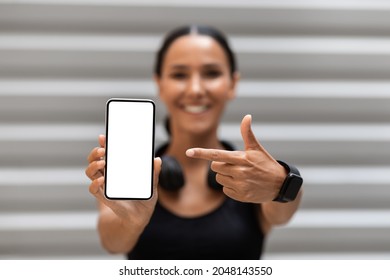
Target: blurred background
(315, 77)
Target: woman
(196, 76)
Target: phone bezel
(132, 100)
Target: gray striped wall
(315, 77)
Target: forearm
(115, 237)
(276, 213)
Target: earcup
(171, 175)
(212, 181)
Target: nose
(195, 85)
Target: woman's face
(195, 84)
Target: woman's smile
(195, 109)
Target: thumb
(249, 138)
(157, 168)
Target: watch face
(294, 184)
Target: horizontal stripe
(296, 4)
(265, 132)
(246, 89)
(347, 175)
(303, 219)
(250, 45)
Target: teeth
(195, 109)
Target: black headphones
(171, 175)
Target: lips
(195, 109)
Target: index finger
(232, 157)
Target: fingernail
(190, 152)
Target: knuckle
(242, 186)
(242, 157)
(95, 186)
(93, 167)
(245, 157)
(92, 187)
(92, 155)
(214, 155)
(246, 172)
(87, 172)
(240, 172)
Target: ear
(235, 79)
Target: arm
(285, 204)
(121, 222)
(115, 236)
(276, 213)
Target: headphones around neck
(171, 175)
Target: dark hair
(195, 29)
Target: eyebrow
(184, 67)
(179, 66)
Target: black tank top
(231, 231)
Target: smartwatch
(291, 185)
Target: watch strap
(287, 188)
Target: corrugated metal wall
(315, 77)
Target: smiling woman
(200, 210)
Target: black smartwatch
(291, 185)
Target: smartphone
(130, 126)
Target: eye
(212, 74)
(178, 75)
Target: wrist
(291, 184)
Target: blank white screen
(129, 150)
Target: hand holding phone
(130, 125)
(131, 215)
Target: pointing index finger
(232, 157)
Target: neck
(179, 145)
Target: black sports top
(231, 231)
